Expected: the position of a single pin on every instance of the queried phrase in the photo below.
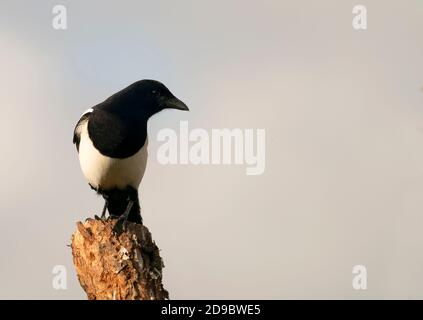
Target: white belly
(108, 173)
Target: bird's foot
(120, 225)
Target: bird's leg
(106, 202)
(120, 224)
(103, 213)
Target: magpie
(111, 141)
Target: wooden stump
(124, 267)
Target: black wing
(77, 131)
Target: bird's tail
(117, 202)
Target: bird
(111, 140)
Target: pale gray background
(343, 113)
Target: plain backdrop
(343, 114)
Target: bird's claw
(119, 227)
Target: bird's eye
(154, 92)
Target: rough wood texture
(124, 267)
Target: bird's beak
(175, 103)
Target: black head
(152, 96)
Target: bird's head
(153, 96)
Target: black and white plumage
(111, 140)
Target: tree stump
(117, 267)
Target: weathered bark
(124, 267)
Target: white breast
(107, 173)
